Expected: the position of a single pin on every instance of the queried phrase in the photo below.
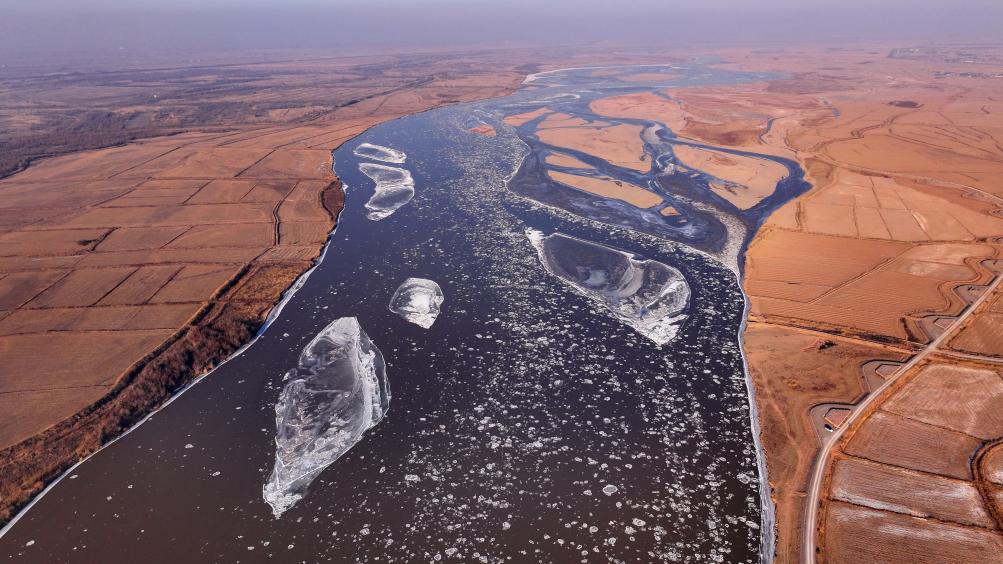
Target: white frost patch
(380, 153)
(394, 188)
(418, 300)
(338, 391)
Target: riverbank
(861, 273)
(221, 327)
(130, 271)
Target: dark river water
(527, 424)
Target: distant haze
(143, 25)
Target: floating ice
(394, 188)
(380, 153)
(650, 296)
(337, 392)
(418, 300)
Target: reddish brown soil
(872, 253)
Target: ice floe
(418, 300)
(337, 392)
(380, 153)
(647, 295)
(394, 188)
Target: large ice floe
(380, 153)
(337, 392)
(394, 188)
(418, 300)
(647, 295)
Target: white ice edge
(380, 153)
(272, 316)
(571, 95)
(536, 75)
(767, 522)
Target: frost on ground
(380, 153)
(337, 392)
(418, 300)
(394, 188)
(647, 295)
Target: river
(528, 424)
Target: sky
(356, 25)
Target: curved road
(815, 485)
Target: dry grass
(856, 534)
(960, 398)
(880, 486)
(907, 443)
(753, 179)
(643, 105)
(557, 159)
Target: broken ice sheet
(336, 393)
(380, 153)
(647, 295)
(394, 188)
(418, 300)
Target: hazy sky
(28, 25)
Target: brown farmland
(896, 238)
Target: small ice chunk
(394, 188)
(337, 392)
(609, 489)
(647, 295)
(418, 300)
(380, 153)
